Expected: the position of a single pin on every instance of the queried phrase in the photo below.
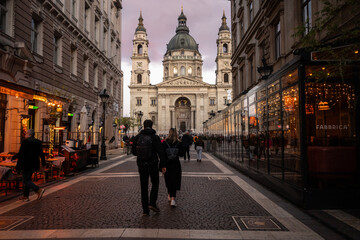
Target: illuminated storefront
(297, 133)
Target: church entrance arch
(183, 114)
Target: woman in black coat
(173, 149)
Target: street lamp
(265, 70)
(104, 98)
(140, 114)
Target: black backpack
(144, 148)
(172, 152)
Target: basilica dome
(182, 39)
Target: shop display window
(330, 127)
(291, 135)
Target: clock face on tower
(226, 64)
(139, 64)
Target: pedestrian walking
(199, 146)
(186, 142)
(148, 149)
(28, 162)
(173, 149)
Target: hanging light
(323, 106)
(265, 70)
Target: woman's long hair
(172, 137)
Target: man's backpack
(144, 148)
(172, 152)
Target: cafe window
(274, 87)
(291, 140)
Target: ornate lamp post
(104, 98)
(140, 114)
(266, 70)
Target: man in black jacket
(28, 162)
(147, 147)
(186, 142)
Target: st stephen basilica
(182, 100)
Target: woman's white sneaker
(173, 203)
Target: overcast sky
(160, 21)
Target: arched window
(182, 71)
(175, 71)
(198, 72)
(139, 78)
(226, 78)
(225, 48)
(189, 71)
(140, 49)
(166, 71)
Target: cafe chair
(94, 156)
(58, 167)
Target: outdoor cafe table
(55, 161)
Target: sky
(160, 20)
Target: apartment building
(57, 56)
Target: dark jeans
(28, 184)
(145, 172)
(187, 152)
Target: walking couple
(149, 149)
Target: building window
(139, 78)
(251, 12)
(182, 71)
(307, 16)
(153, 102)
(242, 80)
(4, 15)
(111, 86)
(189, 71)
(226, 78)
(35, 35)
(97, 29)
(140, 49)
(242, 30)
(138, 101)
(105, 40)
(87, 17)
(86, 69)
(212, 101)
(225, 48)
(225, 100)
(96, 76)
(175, 71)
(166, 71)
(73, 61)
(74, 9)
(277, 40)
(153, 119)
(251, 69)
(57, 50)
(104, 80)
(198, 72)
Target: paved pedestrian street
(215, 202)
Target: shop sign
(15, 93)
(331, 127)
(40, 98)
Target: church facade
(182, 100)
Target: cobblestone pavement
(215, 202)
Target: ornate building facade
(56, 56)
(182, 100)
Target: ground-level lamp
(265, 70)
(104, 98)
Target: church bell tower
(140, 74)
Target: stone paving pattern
(192, 166)
(115, 203)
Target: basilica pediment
(183, 82)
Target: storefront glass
(2, 120)
(331, 129)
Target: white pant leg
(199, 152)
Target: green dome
(182, 39)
